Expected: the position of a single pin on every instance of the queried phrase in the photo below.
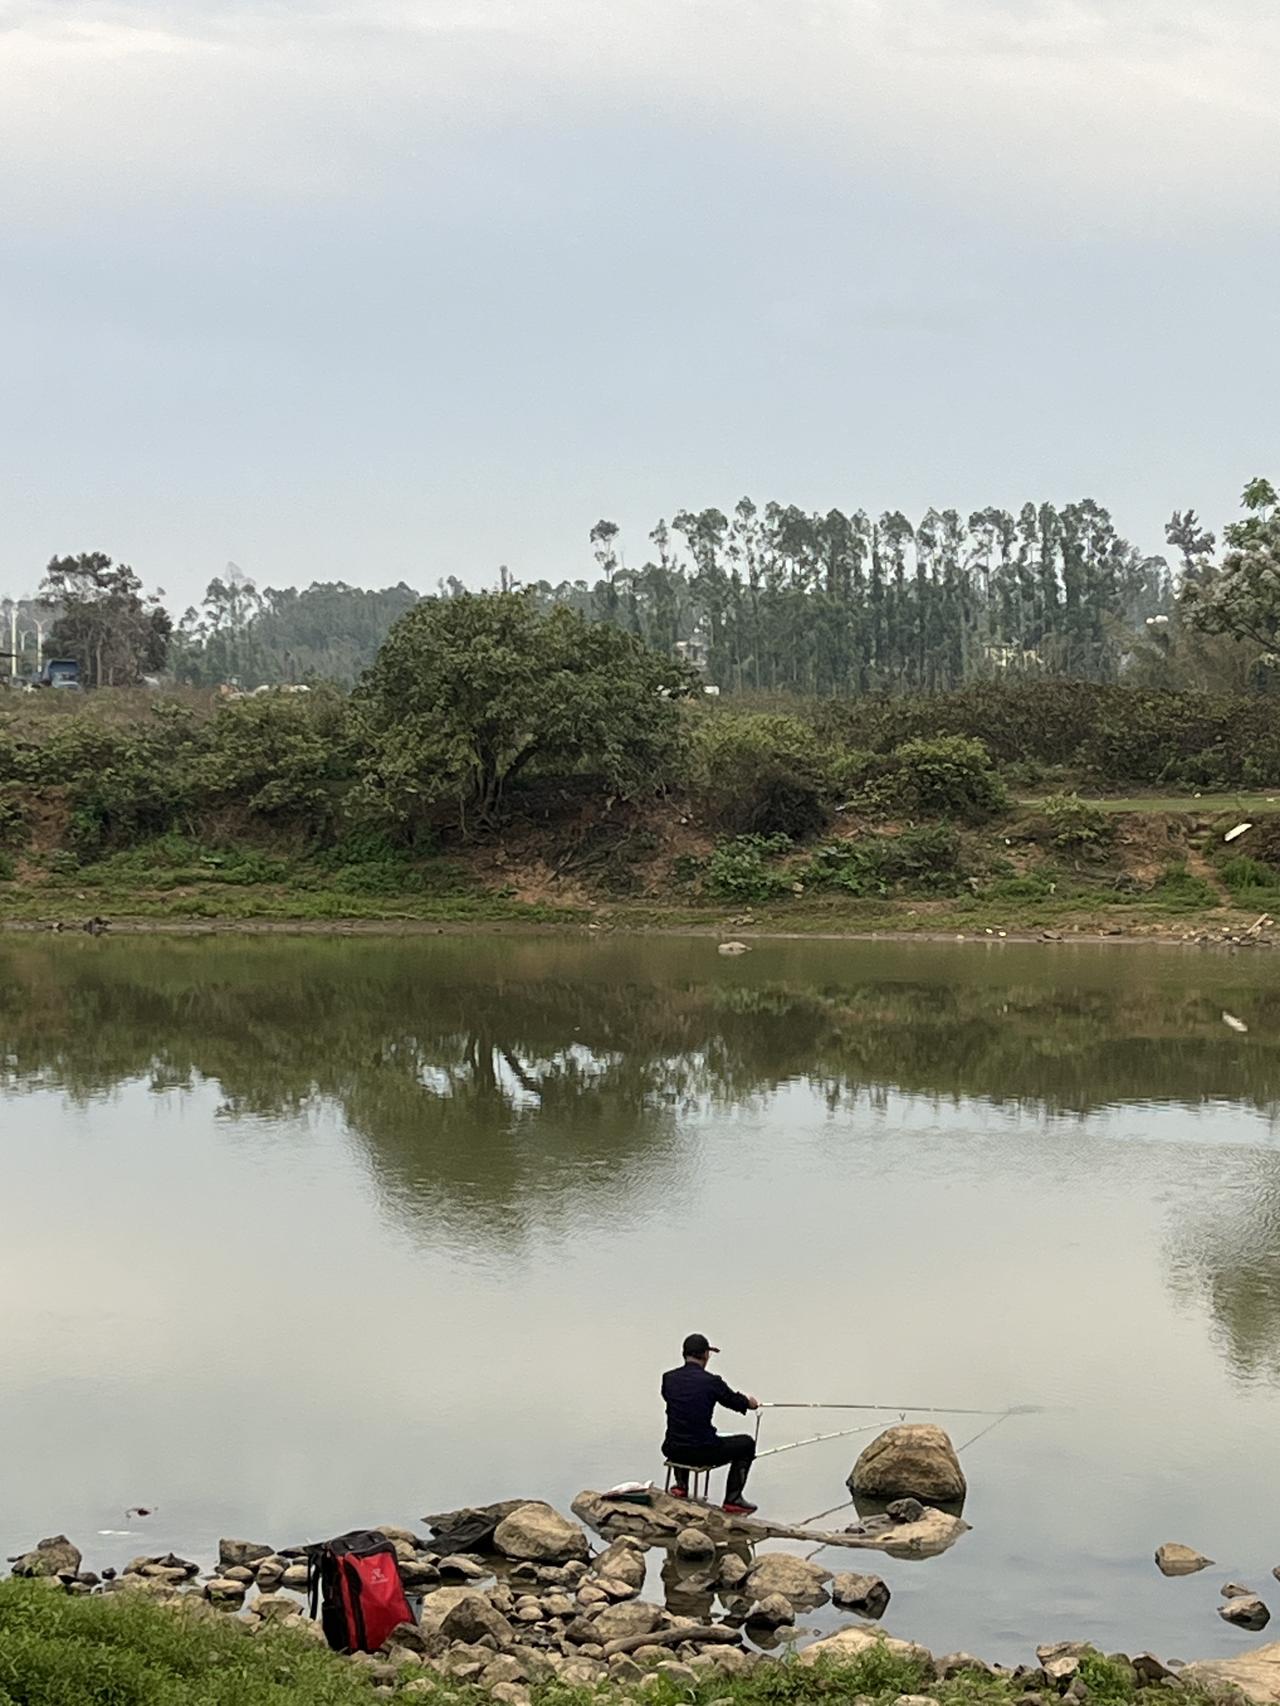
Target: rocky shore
(531, 1600)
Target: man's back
(691, 1394)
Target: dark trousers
(737, 1450)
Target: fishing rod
(914, 1409)
(813, 1439)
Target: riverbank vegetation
(60, 1651)
(502, 761)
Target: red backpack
(354, 1582)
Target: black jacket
(691, 1394)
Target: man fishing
(691, 1394)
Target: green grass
(124, 1650)
(1211, 802)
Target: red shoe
(679, 1492)
(742, 1509)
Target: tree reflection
(503, 1084)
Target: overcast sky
(383, 289)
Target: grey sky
(391, 289)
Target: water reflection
(500, 1085)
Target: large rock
(850, 1644)
(867, 1594)
(53, 1557)
(782, 1572)
(624, 1561)
(1246, 1612)
(241, 1552)
(771, 1612)
(472, 1618)
(694, 1543)
(617, 1622)
(914, 1459)
(1177, 1560)
(540, 1534)
(1256, 1674)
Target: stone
(507, 1667)
(239, 1573)
(1174, 1559)
(912, 1459)
(1246, 1612)
(581, 1632)
(55, 1556)
(537, 1532)
(732, 1571)
(558, 1605)
(238, 1552)
(733, 948)
(1233, 1590)
(460, 1568)
(1064, 1650)
(867, 1594)
(694, 1543)
(1062, 1669)
(849, 1644)
(529, 1614)
(295, 1576)
(222, 1590)
(1076, 1689)
(270, 1572)
(623, 1670)
(276, 1605)
(682, 1675)
(510, 1693)
(772, 1611)
(634, 1617)
(591, 1595)
(581, 1673)
(1150, 1670)
(472, 1618)
(415, 1573)
(915, 1700)
(437, 1604)
(623, 1561)
(960, 1664)
(613, 1588)
(904, 1510)
(784, 1573)
(1256, 1674)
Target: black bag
(354, 1583)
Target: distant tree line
(772, 599)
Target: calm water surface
(298, 1235)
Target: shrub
(737, 869)
(950, 777)
(1245, 876)
(761, 774)
(8, 869)
(925, 859)
(1076, 826)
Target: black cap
(698, 1345)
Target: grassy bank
(125, 1651)
(1079, 868)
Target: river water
(298, 1235)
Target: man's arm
(739, 1401)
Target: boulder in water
(53, 1557)
(912, 1460)
(782, 1572)
(1246, 1612)
(1174, 1559)
(867, 1594)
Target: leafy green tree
(470, 692)
(1243, 597)
(115, 633)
